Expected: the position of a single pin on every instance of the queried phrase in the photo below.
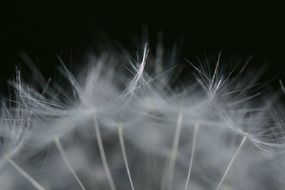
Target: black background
(44, 30)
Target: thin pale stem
(123, 149)
(216, 70)
(103, 155)
(231, 163)
(172, 160)
(25, 174)
(196, 128)
(66, 161)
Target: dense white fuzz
(124, 123)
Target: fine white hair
(125, 123)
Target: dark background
(43, 30)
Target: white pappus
(123, 123)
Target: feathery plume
(110, 128)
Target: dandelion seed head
(127, 126)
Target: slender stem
(25, 174)
(66, 161)
(103, 155)
(123, 149)
(231, 162)
(196, 128)
(171, 165)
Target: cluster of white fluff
(134, 126)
